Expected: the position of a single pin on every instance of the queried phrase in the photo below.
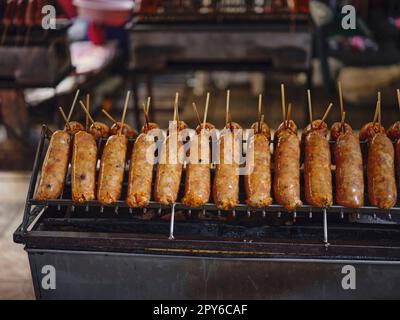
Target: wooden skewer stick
(109, 116)
(176, 115)
(146, 117)
(283, 103)
(206, 110)
(124, 111)
(259, 112)
(71, 110)
(343, 121)
(148, 108)
(228, 97)
(379, 109)
(196, 113)
(86, 110)
(327, 113)
(289, 115)
(64, 117)
(398, 97)
(376, 116)
(341, 97)
(310, 106)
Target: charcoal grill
(183, 253)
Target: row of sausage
(285, 187)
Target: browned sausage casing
(55, 165)
(258, 182)
(169, 172)
(127, 130)
(83, 167)
(74, 127)
(397, 149)
(226, 179)
(112, 167)
(349, 168)
(287, 169)
(198, 175)
(99, 130)
(141, 171)
(317, 167)
(382, 190)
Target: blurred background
(159, 47)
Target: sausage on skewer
(226, 180)
(169, 170)
(54, 169)
(349, 167)
(141, 168)
(287, 166)
(127, 130)
(258, 182)
(198, 175)
(382, 190)
(317, 165)
(99, 130)
(83, 166)
(112, 165)
(55, 165)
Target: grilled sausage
(382, 190)
(99, 130)
(141, 169)
(112, 168)
(317, 166)
(74, 127)
(370, 130)
(83, 167)
(55, 165)
(397, 153)
(226, 180)
(198, 175)
(349, 167)
(258, 181)
(127, 130)
(287, 167)
(169, 170)
(394, 132)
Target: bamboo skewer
(398, 97)
(342, 121)
(124, 111)
(64, 117)
(378, 102)
(227, 116)
(289, 115)
(327, 113)
(109, 116)
(146, 116)
(206, 110)
(283, 103)
(310, 106)
(88, 111)
(176, 112)
(341, 97)
(259, 112)
(71, 110)
(196, 113)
